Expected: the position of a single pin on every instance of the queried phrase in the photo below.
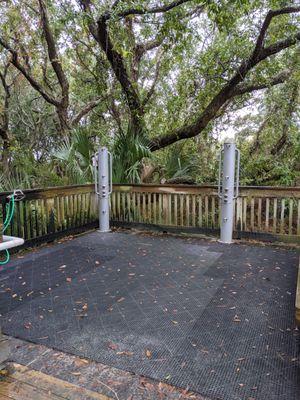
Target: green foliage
(74, 157)
(128, 153)
(271, 145)
(199, 47)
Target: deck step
(25, 383)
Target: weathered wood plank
(200, 215)
(259, 211)
(291, 209)
(187, 210)
(206, 211)
(282, 221)
(175, 209)
(155, 208)
(193, 210)
(25, 383)
(252, 214)
(274, 215)
(181, 198)
(213, 211)
(245, 207)
(160, 213)
(267, 214)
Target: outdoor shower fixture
(102, 162)
(228, 187)
(8, 242)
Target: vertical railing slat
(282, 216)
(267, 214)
(291, 209)
(187, 210)
(200, 215)
(274, 215)
(181, 209)
(245, 205)
(298, 219)
(252, 214)
(193, 210)
(213, 210)
(206, 211)
(259, 211)
(175, 209)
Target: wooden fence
(264, 212)
(48, 213)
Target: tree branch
(86, 6)
(279, 78)
(15, 61)
(143, 11)
(152, 88)
(53, 55)
(278, 46)
(292, 104)
(117, 63)
(142, 48)
(263, 31)
(227, 92)
(101, 35)
(84, 111)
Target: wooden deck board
(25, 383)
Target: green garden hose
(9, 213)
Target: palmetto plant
(179, 166)
(14, 180)
(74, 157)
(128, 152)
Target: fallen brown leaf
(121, 299)
(148, 353)
(124, 353)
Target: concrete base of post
(220, 241)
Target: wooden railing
(271, 212)
(261, 210)
(51, 212)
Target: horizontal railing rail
(50, 212)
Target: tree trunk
(6, 150)
(137, 123)
(64, 122)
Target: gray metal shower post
(103, 185)
(228, 188)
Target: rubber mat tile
(270, 388)
(148, 304)
(132, 316)
(183, 364)
(285, 366)
(170, 305)
(126, 303)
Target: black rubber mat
(216, 319)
